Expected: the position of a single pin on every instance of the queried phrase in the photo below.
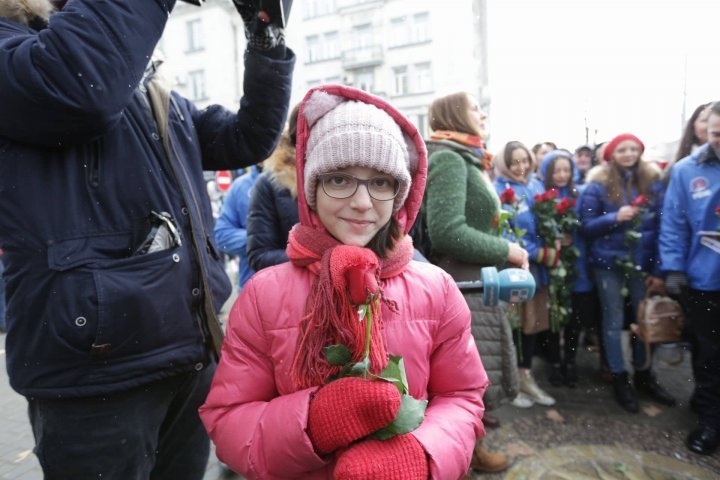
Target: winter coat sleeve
(266, 243)
(232, 140)
(230, 228)
(674, 241)
(79, 73)
(258, 433)
(595, 221)
(450, 234)
(453, 419)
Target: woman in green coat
(461, 211)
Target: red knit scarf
(345, 276)
(473, 141)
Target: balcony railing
(363, 57)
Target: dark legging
(525, 345)
(585, 308)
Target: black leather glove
(260, 33)
(676, 283)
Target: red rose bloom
(717, 210)
(639, 201)
(552, 194)
(508, 196)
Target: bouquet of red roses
(555, 219)
(504, 224)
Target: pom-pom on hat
(609, 147)
(348, 133)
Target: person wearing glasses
(274, 409)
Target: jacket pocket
(134, 305)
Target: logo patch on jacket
(699, 187)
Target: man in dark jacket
(113, 280)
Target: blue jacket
(525, 219)
(599, 225)
(690, 202)
(231, 226)
(81, 167)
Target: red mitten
(399, 458)
(348, 409)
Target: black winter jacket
(82, 165)
(273, 209)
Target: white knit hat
(350, 133)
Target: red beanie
(612, 144)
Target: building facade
(407, 51)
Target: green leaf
(337, 354)
(396, 369)
(360, 367)
(409, 417)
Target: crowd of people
(352, 232)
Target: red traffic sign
(223, 180)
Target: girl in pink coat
(274, 410)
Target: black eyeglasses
(342, 185)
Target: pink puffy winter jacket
(258, 420)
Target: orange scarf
(473, 141)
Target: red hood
(416, 148)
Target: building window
(400, 75)
(420, 28)
(421, 122)
(197, 85)
(323, 47)
(334, 79)
(331, 43)
(317, 8)
(416, 78)
(313, 48)
(422, 77)
(409, 30)
(194, 35)
(365, 79)
(362, 36)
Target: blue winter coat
(81, 167)
(525, 219)
(599, 225)
(691, 200)
(231, 226)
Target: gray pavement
(585, 435)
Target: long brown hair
(451, 113)
(689, 138)
(644, 175)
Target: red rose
(639, 201)
(717, 210)
(357, 269)
(508, 196)
(561, 207)
(539, 198)
(571, 202)
(552, 194)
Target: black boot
(571, 377)
(556, 375)
(646, 383)
(624, 393)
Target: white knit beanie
(353, 134)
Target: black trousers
(150, 432)
(703, 319)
